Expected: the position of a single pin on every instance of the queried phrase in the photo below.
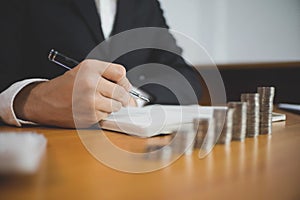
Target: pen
(69, 63)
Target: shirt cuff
(7, 98)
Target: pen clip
(52, 57)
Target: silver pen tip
(136, 94)
(144, 98)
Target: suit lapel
(88, 12)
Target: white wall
(239, 31)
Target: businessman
(33, 90)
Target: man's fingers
(113, 91)
(125, 84)
(100, 115)
(113, 72)
(104, 104)
(117, 74)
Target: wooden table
(261, 168)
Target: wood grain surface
(266, 167)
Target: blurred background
(253, 42)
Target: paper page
(154, 119)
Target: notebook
(155, 119)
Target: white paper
(155, 119)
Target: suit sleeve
(164, 95)
(11, 20)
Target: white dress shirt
(107, 12)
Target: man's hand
(88, 92)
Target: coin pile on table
(266, 107)
(239, 120)
(253, 113)
(219, 116)
(226, 134)
(183, 141)
(201, 127)
(248, 118)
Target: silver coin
(253, 113)
(239, 120)
(266, 108)
(226, 134)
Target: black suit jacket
(30, 28)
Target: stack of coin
(253, 113)
(239, 120)
(219, 116)
(210, 138)
(226, 134)
(266, 107)
(201, 128)
(184, 140)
